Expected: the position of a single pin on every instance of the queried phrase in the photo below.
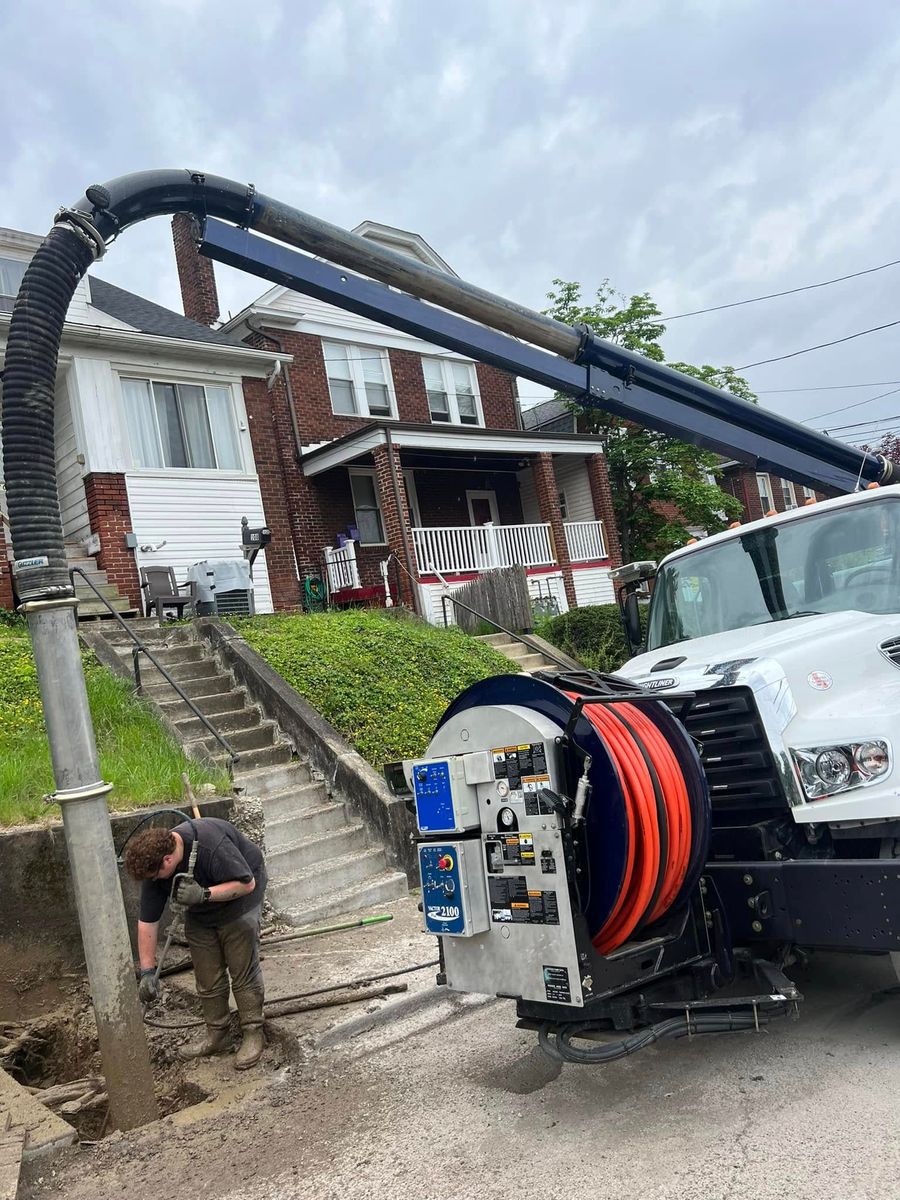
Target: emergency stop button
(445, 863)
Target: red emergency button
(445, 863)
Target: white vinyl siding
(69, 477)
(184, 426)
(359, 380)
(572, 479)
(593, 586)
(452, 391)
(198, 517)
(369, 521)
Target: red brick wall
(741, 483)
(6, 593)
(548, 501)
(598, 477)
(110, 519)
(195, 273)
(396, 519)
(499, 398)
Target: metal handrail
(517, 637)
(142, 648)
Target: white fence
(341, 566)
(450, 549)
(585, 540)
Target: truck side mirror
(631, 619)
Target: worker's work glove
(149, 988)
(189, 893)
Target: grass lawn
(383, 680)
(136, 753)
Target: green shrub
(136, 753)
(383, 682)
(593, 635)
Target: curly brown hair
(144, 854)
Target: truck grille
(744, 785)
(891, 649)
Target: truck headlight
(825, 770)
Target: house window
(808, 493)
(790, 497)
(369, 521)
(181, 425)
(12, 271)
(765, 492)
(359, 380)
(452, 391)
(563, 506)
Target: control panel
(453, 895)
(446, 802)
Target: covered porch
(446, 506)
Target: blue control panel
(442, 892)
(434, 797)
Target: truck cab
(788, 631)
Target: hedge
(593, 635)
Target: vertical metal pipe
(81, 794)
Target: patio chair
(161, 592)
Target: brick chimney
(195, 273)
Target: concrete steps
(524, 658)
(89, 606)
(319, 857)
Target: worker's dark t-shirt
(224, 854)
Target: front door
(482, 507)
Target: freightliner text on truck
(627, 857)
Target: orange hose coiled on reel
(658, 818)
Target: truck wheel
(890, 848)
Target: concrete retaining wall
(346, 771)
(37, 902)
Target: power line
(862, 424)
(821, 346)
(847, 407)
(774, 295)
(834, 387)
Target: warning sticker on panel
(556, 985)
(512, 901)
(510, 850)
(518, 763)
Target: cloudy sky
(705, 151)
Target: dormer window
(12, 271)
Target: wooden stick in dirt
(189, 793)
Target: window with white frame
(369, 521)
(359, 380)
(452, 392)
(765, 492)
(808, 493)
(12, 271)
(790, 496)
(181, 425)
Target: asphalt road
(457, 1103)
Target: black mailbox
(253, 540)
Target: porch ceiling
(463, 442)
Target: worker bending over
(224, 902)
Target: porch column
(548, 501)
(110, 518)
(396, 518)
(601, 494)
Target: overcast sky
(704, 150)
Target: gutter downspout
(398, 501)
(285, 372)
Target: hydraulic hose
(659, 819)
(559, 1045)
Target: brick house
(416, 455)
(321, 425)
(152, 437)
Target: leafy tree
(889, 446)
(661, 487)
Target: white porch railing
(454, 548)
(341, 566)
(585, 540)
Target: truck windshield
(834, 561)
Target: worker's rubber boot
(253, 1038)
(215, 1039)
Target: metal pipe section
(92, 860)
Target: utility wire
(774, 295)
(859, 404)
(863, 424)
(834, 387)
(821, 346)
